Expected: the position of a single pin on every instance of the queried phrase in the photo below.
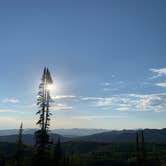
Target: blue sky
(107, 59)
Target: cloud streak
(131, 102)
(10, 100)
(12, 111)
(61, 106)
(108, 86)
(59, 97)
(99, 117)
(162, 84)
(158, 72)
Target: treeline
(139, 153)
(19, 154)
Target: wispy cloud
(161, 72)
(123, 108)
(99, 117)
(12, 111)
(158, 72)
(91, 98)
(162, 84)
(110, 89)
(112, 86)
(131, 102)
(63, 97)
(105, 84)
(10, 100)
(61, 106)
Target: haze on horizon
(107, 59)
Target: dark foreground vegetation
(85, 154)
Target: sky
(107, 59)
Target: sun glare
(50, 87)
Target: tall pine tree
(43, 102)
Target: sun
(50, 87)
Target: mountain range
(74, 132)
(151, 135)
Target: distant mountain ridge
(29, 139)
(74, 132)
(151, 135)
(78, 131)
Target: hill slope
(151, 135)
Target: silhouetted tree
(137, 147)
(143, 144)
(43, 102)
(19, 152)
(58, 152)
(140, 148)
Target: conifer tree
(58, 152)
(43, 102)
(137, 147)
(19, 152)
(140, 147)
(143, 147)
